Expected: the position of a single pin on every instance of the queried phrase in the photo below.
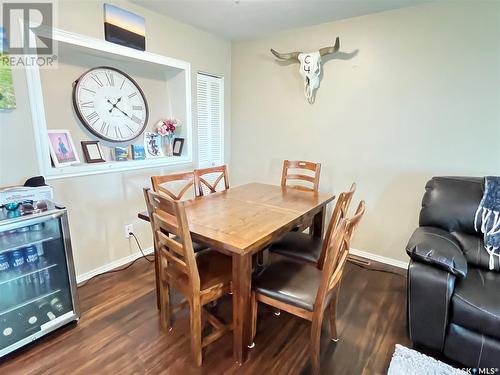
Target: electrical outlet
(129, 228)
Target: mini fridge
(38, 291)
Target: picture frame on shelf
(178, 146)
(121, 153)
(138, 152)
(152, 145)
(92, 152)
(62, 149)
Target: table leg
(157, 277)
(319, 223)
(242, 273)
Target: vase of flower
(166, 129)
(170, 145)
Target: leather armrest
(438, 248)
(429, 293)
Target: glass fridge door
(35, 291)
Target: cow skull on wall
(310, 66)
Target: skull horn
(286, 56)
(327, 50)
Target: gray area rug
(410, 362)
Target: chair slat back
(336, 254)
(161, 184)
(201, 180)
(300, 176)
(169, 216)
(339, 213)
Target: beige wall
(99, 206)
(421, 98)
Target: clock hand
(121, 111)
(113, 105)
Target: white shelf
(176, 75)
(26, 303)
(83, 169)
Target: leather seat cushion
(476, 302)
(196, 246)
(290, 282)
(300, 246)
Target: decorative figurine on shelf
(167, 128)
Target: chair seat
(197, 247)
(299, 246)
(213, 267)
(290, 282)
(476, 302)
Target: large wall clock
(110, 104)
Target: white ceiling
(251, 19)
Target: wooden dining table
(244, 220)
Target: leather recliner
(453, 296)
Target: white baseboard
(120, 262)
(379, 258)
(110, 266)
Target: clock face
(110, 104)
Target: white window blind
(210, 97)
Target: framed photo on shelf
(178, 145)
(62, 148)
(152, 145)
(121, 154)
(92, 152)
(138, 152)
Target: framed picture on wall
(124, 27)
(178, 145)
(62, 148)
(92, 152)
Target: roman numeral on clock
(87, 104)
(137, 107)
(92, 116)
(111, 79)
(97, 80)
(118, 133)
(136, 119)
(129, 128)
(132, 95)
(104, 128)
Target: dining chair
(200, 278)
(164, 184)
(306, 248)
(161, 184)
(304, 290)
(202, 178)
(300, 167)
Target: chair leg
(195, 323)
(254, 320)
(164, 293)
(333, 316)
(157, 279)
(315, 343)
(167, 315)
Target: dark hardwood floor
(119, 333)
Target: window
(210, 97)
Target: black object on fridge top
(38, 292)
